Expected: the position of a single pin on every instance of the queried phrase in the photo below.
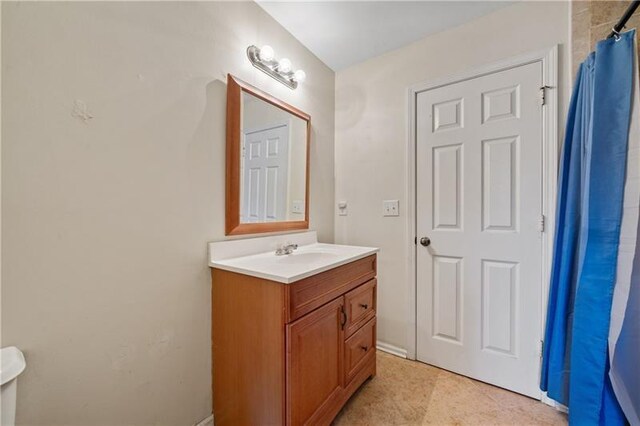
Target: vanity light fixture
(264, 59)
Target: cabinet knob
(364, 305)
(364, 348)
(425, 241)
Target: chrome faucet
(286, 249)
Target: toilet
(12, 363)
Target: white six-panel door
(479, 201)
(265, 164)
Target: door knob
(425, 241)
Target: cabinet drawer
(360, 306)
(359, 348)
(310, 293)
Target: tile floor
(411, 393)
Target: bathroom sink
(309, 259)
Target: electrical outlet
(297, 206)
(390, 208)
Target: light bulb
(299, 76)
(266, 53)
(284, 65)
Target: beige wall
(372, 131)
(107, 210)
(592, 21)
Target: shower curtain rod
(623, 20)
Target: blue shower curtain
(588, 219)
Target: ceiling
(343, 33)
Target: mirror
(267, 162)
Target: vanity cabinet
(291, 354)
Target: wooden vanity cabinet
(291, 354)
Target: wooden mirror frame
(233, 226)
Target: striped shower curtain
(593, 319)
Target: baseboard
(206, 421)
(550, 402)
(391, 349)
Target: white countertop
(309, 259)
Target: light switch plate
(342, 208)
(390, 208)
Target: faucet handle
(286, 248)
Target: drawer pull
(364, 348)
(364, 305)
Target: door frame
(549, 60)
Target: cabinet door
(315, 371)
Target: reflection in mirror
(267, 162)
(273, 163)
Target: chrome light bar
(280, 70)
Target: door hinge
(541, 347)
(543, 94)
(541, 223)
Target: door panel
(447, 303)
(447, 186)
(315, 373)
(478, 198)
(499, 293)
(499, 184)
